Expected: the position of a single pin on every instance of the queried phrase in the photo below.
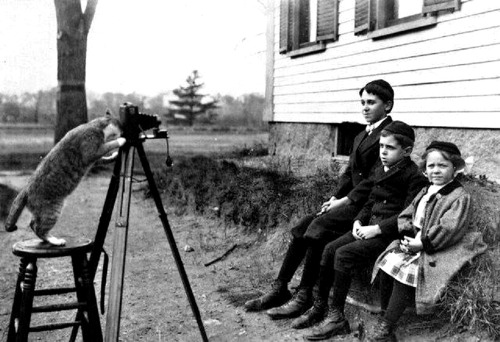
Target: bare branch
(89, 13)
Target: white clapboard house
(442, 58)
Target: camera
(134, 122)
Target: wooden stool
(87, 315)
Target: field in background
(25, 139)
(23, 145)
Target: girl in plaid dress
(435, 246)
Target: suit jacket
(392, 191)
(364, 156)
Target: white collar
(435, 188)
(371, 127)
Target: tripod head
(136, 123)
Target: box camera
(134, 122)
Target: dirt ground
(155, 306)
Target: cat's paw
(110, 157)
(55, 241)
(121, 141)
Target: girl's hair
(455, 159)
(403, 140)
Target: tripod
(121, 186)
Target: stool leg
(89, 316)
(16, 304)
(28, 289)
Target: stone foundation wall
(482, 144)
(303, 148)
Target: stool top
(40, 249)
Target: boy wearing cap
(314, 231)
(396, 181)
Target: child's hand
(411, 245)
(355, 227)
(369, 232)
(334, 203)
(327, 205)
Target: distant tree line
(40, 108)
(27, 107)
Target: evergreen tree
(190, 102)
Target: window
(306, 25)
(379, 18)
(346, 132)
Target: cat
(60, 172)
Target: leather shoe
(293, 308)
(314, 315)
(335, 324)
(278, 295)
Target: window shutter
(440, 5)
(304, 20)
(361, 16)
(285, 19)
(328, 19)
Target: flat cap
(399, 127)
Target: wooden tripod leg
(173, 246)
(120, 247)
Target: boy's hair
(403, 140)
(402, 132)
(380, 88)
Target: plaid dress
(401, 266)
(404, 266)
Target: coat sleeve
(450, 227)
(405, 219)
(345, 183)
(361, 192)
(416, 182)
(365, 212)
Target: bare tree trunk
(72, 30)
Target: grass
(256, 199)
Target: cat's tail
(15, 211)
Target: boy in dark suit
(314, 231)
(394, 185)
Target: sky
(141, 46)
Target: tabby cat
(60, 172)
